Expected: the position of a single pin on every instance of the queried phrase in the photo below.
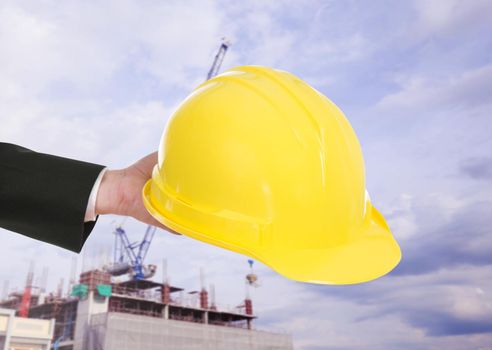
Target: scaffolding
(14, 301)
(64, 311)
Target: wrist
(107, 200)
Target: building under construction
(101, 313)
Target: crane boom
(219, 57)
(145, 244)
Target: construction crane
(219, 57)
(129, 257)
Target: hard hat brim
(373, 255)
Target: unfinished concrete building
(144, 314)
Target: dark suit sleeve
(44, 196)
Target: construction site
(101, 310)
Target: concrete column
(8, 332)
(203, 299)
(165, 312)
(166, 293)
(248, 305)
(85, 309)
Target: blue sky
(98, 80)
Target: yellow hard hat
(258, 162)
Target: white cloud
(60, 66)
(97, 81)
(465, 89)
(85, 44)
(449, 17)
(410, 215)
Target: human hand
(120, 191)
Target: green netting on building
(104, 290)
(80, 290)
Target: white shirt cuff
(90, 213)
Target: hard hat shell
(258, 162)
